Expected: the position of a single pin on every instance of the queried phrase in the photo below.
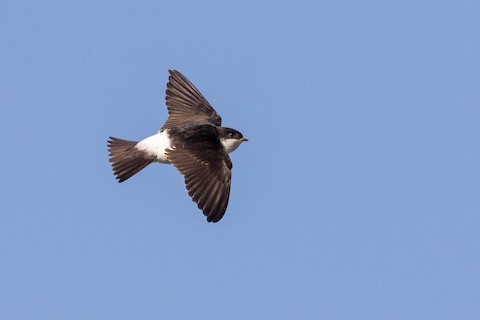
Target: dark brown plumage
(126, 159)
(186, 104)
(193, 141)
(199, 156)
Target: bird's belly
(156, 145)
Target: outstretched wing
(206, 167)
(186, 104)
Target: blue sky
(357, 196)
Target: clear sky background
(357, 196)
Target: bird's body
(156, 146)
(192, 140)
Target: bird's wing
(186, 104)
(207, 170)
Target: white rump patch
(156, 145)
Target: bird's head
(230, 138)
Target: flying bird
(192, 140)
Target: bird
(192, 140)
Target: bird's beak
(244, 139)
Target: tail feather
(126, 159)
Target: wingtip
(213, 219)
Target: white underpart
(156, 145)
(230, 145)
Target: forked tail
(126, 159)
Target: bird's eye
(230, 134)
